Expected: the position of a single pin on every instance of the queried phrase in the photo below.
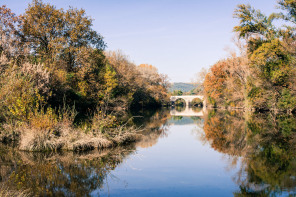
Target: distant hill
(184, 87)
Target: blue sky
(179, 37)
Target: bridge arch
(188, 99)
(178, 100)
(197, 102)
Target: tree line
(262, 76)
(61, 89)
(52, 57)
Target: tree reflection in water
(266, 145)
(65, 174)
(72, 174)
(263, 145)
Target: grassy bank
(52, 133)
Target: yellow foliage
(110, 80)
(43, 120)
(61, 75)
(82, 85)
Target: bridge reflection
(187, 111)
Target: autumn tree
(271, 63)
(138, 86)
(156, 83)
(63, 63)
(262, 76)
(214, 83)
(199, 81)
(59, 37)
(10, 41)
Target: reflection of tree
(221, 129)
(177, 117)
(154, 127)
(73, 174)
(197, 109)
(267, 147)
(179, 108)
(65, 174)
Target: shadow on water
(265, 144)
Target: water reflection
(260, 149)
(74, 174)
(266, 145)
(187, 111)
(183, 120)
(154, 127)
(65, 174)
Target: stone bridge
(188, 99)
(188, 111)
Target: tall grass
(48, 131)
(7, 192)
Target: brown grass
(72, 139)
(47, 131)
(7, 192)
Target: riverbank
(67, 138)
(253, 110)
(100, 131)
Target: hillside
(184, 87)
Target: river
(212, 153)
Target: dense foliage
(262, 77)
(52, 57)
(59, 88)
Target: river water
(209, 153)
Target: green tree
(177, 93)
(270, 62)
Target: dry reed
(7, 192)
